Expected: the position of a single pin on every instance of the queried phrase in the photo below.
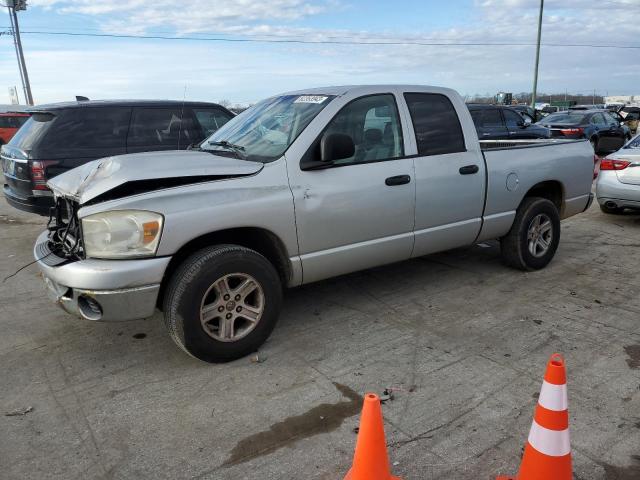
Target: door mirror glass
(336, 146)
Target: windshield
(567, 118)
(264, 132)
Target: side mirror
(336, 146)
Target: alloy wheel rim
(540, 235)
(232, 307)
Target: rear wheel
(222, 303)
(534, 236)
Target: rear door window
(211, 119)
(88, 128)
(435, 123)
(491, 118)
(161, 129)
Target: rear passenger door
(162, 128)
(450, 176)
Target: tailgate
(15, 168)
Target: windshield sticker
(310, 99)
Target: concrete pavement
(461, 339)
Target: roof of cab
(365, 89)
(118, 103)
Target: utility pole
(535, 75)
(15, 6)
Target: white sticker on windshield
(310, 99)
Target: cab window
(373, 123)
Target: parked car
(10, 122)
(602, 130)
(62, 136)
(620, 119)
(496, 122)
(301, 187)
(618, 184)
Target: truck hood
(139, 172)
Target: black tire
(611, 211)
(594, 143)
(192, 280)
(514, 246)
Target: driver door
(356, 212)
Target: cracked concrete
(461, 339)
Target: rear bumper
(102, 290)
(38, 205)
(610, 189)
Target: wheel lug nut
(220, 308)
(239, 309)
(237, 298)
(226, 297)
(228, 316)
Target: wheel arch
(263, 241)
(552, 190)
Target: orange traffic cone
(547, 454)
(370, 460)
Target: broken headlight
(121, 234)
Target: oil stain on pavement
(632, 472)
(633, 351)
(321, 419)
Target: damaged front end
(61, 243)
(65, 230)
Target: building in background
(622, 100)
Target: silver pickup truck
(301, 187)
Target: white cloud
(247, 72)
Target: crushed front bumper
(102, 290)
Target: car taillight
(572, 131)
(39, 174)
(611, 164)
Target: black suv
(496, 122)
(62, 136)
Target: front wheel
(222, 303)
(534, 236)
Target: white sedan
(618, 185)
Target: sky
(272, 56)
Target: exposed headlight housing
(121, 234)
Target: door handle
(398, 180)
(469, 170)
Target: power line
(331, 42)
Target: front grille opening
(65, 236)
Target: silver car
(618, 185)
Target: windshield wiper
(238, 149)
